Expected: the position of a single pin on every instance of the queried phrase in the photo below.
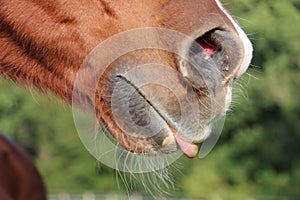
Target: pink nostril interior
(208, 45)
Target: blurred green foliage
(257, 155)
(44, 127)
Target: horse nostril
(230, 52)
(213, 57)
(209, 46)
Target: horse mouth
(145, 116)
(149, 115)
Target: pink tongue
(189, 149)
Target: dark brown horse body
(19, 179)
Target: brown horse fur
(43, 43)
(19, 178)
